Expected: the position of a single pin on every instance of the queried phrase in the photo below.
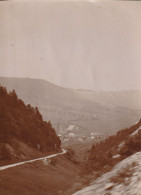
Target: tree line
(25, 123)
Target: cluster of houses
(72, 133)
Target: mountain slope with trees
(111, 164)
(115, 148)
(22, 126)
(90, 110)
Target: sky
(94, 45)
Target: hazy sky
(73, 44)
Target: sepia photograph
(70, 97)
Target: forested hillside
(113, 165)
(23, 123)
(108, 152)
(91, 111)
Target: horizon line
(78, 89)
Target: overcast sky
(87, 45)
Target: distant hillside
(22, 130)
(114, 99)
(47, 94)
(92, 111)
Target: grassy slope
(61, 177)
(38, 178)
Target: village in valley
(72, 134)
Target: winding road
(29, 161)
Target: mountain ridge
(92, 110)
(77, 89)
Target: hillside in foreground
(113, 164)
(23, 133)
(116, 147)
(124, 178)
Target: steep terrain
(53, 177)
(106, 168)
(114, 164)
(23, 133)
(125, 143)
(86, 111)
(124, 179)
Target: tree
(39, 116)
